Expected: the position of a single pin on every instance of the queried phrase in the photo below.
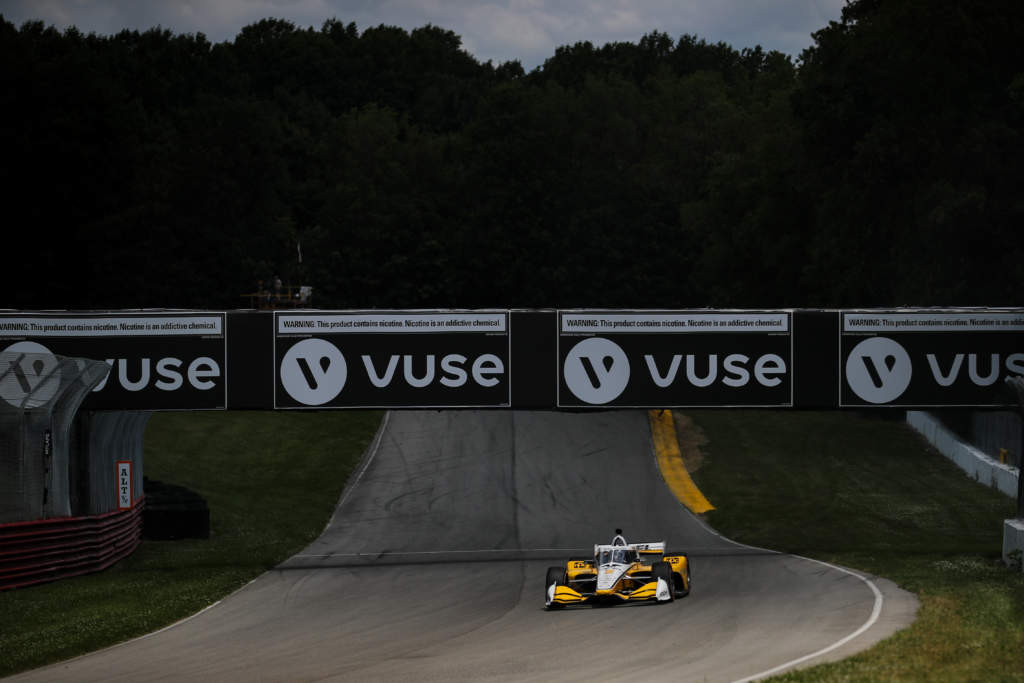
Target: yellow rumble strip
(670, 462)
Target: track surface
(374, 599)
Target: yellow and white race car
(619, 572)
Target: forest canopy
(882, 167)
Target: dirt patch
(691, 439)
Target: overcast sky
(497, 30)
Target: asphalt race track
(433, 569)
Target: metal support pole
(1020, 488)
(1018, 384)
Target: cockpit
(616, 555)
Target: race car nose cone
(607, 577)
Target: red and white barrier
(50, 549)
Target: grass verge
(866, 492)
(271, 480)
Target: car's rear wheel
(663, 571)
(556, 577)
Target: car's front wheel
(663, 571)
(555, 577)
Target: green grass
(271, 481)
(867, 492)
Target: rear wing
(642, 548)
(650, 548)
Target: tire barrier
(49, 549)
(174, 512)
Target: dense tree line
(884, 167)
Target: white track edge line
(395, 553)
(374, 448)
(65, 662)
(373, 454)
(876, 610)
(445, 552)
(875, 613)
(193, 616)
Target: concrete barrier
(984, 469)
(1013, 542)
(971, 460)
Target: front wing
(564, 595)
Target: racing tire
(663, 570)
(556, 576)
(683, 592)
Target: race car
(619, 572)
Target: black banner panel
(251, 353)
(669, 359)
(534, 338)
(929, 358)
(158, 361)
(572, 359)
(383, 359)
(815, 362)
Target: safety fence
(49, 549)
(40, 394)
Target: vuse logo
(313, 372)
(878, 370)
(36, 377)
(596, 370)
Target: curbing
(670, 462)
(976, 464)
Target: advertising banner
(929, 358)
(125, 494)
(648, 359)
(380, 359)
(158, 361)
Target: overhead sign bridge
(532, 359)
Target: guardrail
(977, 464)
(50, 549)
